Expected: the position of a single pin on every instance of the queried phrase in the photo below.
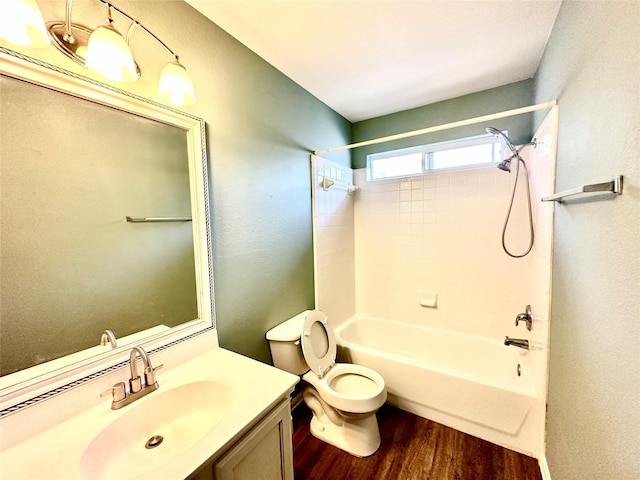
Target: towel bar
(614, 186)
(157, 219)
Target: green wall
(495, 100)
(592, 66)
(261, 127)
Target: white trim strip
(544, 468)
(445, 126)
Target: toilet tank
(284, 343)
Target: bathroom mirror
(105, 222)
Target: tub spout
(517, 342)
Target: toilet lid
(318, 343)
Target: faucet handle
(118, 391)
(526, 317)
(150, 374)
(135, 384)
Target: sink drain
(154, 441)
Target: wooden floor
(413, 448)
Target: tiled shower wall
(438, 233)
(542, 167)
(334, 241)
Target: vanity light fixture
(103, 50)
(175, 85)
(21, 23)
(108, 53)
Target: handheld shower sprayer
(494, 131)
(505, 165)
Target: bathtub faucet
(517, 342)
(525, 317)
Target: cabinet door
(265, 453)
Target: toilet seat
(345, 386)
(318, 343)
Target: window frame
(428, 151)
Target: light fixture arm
(109, 18)
(68, 34)
(130, 30)
(135, 23)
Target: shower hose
(506, 221)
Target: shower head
(499, 134)
(505, 164)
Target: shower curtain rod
(444, 126)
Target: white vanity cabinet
(264, 453)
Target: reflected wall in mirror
(72, 170)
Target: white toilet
(343, 397)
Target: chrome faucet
(517, 342)
(108, 337)
(135, 382)
(137, 388)
(525, 317)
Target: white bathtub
(468, 383)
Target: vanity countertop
(254, 388)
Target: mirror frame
(22, 67)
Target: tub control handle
(525, 317)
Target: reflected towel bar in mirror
(157, 219)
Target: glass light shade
(21, 23)
(175, 85)
(109, 55)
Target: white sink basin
(207, 398)
(181, 416)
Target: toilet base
(358, 435)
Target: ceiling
(367, 58)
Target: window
(397, 166)
(471, 152)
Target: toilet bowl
(342, 397)
(350, 388)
